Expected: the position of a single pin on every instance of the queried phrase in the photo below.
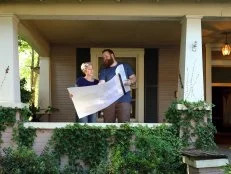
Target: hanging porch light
(226, 48)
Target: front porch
(131, 36)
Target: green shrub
(24, 136)
(196, 112)
(21, 160)
(155, 151)
(227, 169)
(8, 117)
(119, 150)
(24, 160)
(96, 150)
(26, 95)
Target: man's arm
(131, 80)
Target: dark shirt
(84, 82)
(108, 73)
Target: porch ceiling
(115, 33)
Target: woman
(87, 80)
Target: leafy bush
(96, 150)
(227, 169)
(8, 117)
(196, 113)
(24, 136)
(155, 151)
(24, 160)
(26, 95)
(119, 150)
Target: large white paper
(120, 70)
(91, 99)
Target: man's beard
(108, 62)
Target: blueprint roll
(91, 99)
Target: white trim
(182, 107)
(15, 18)
(193, 16)
(110, 8)
(53, 125)
(221, 84)
(205, 163)
(44, 82)
(208, 73)
(13, 105)
(221, 63)
(137, 53)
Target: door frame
(138, 54)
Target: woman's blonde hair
(84, 66)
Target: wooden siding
(168, 78)
(63, 75)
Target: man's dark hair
(108, 50)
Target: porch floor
(223, 141)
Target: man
(122, 107)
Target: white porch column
(9, 62)
(44, 83)
(208, 73)
(191, 83)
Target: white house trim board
(53, 125)
(209, 163)
(221, 63)
(9, 81)
(208, 73)
(137, 53)
(191, 67)
(42, 10)
(221, 84)
(44, 83)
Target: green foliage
(51, 109)
(154, 150)
(8, 117)
(192, 123)
(118, 150)
(29, 64)
(24, 160)
(25, 56)
(34, 110)
(94, 150)
(227, 169)
(81, 142)
(26, 95)
(24, 136)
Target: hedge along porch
(133, 147)
(99, 148)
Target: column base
(199, 162)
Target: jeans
(89, 119)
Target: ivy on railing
(8, 117)
(118, 150)
(193, 121)
(24, 136)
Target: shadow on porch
(223, 141)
